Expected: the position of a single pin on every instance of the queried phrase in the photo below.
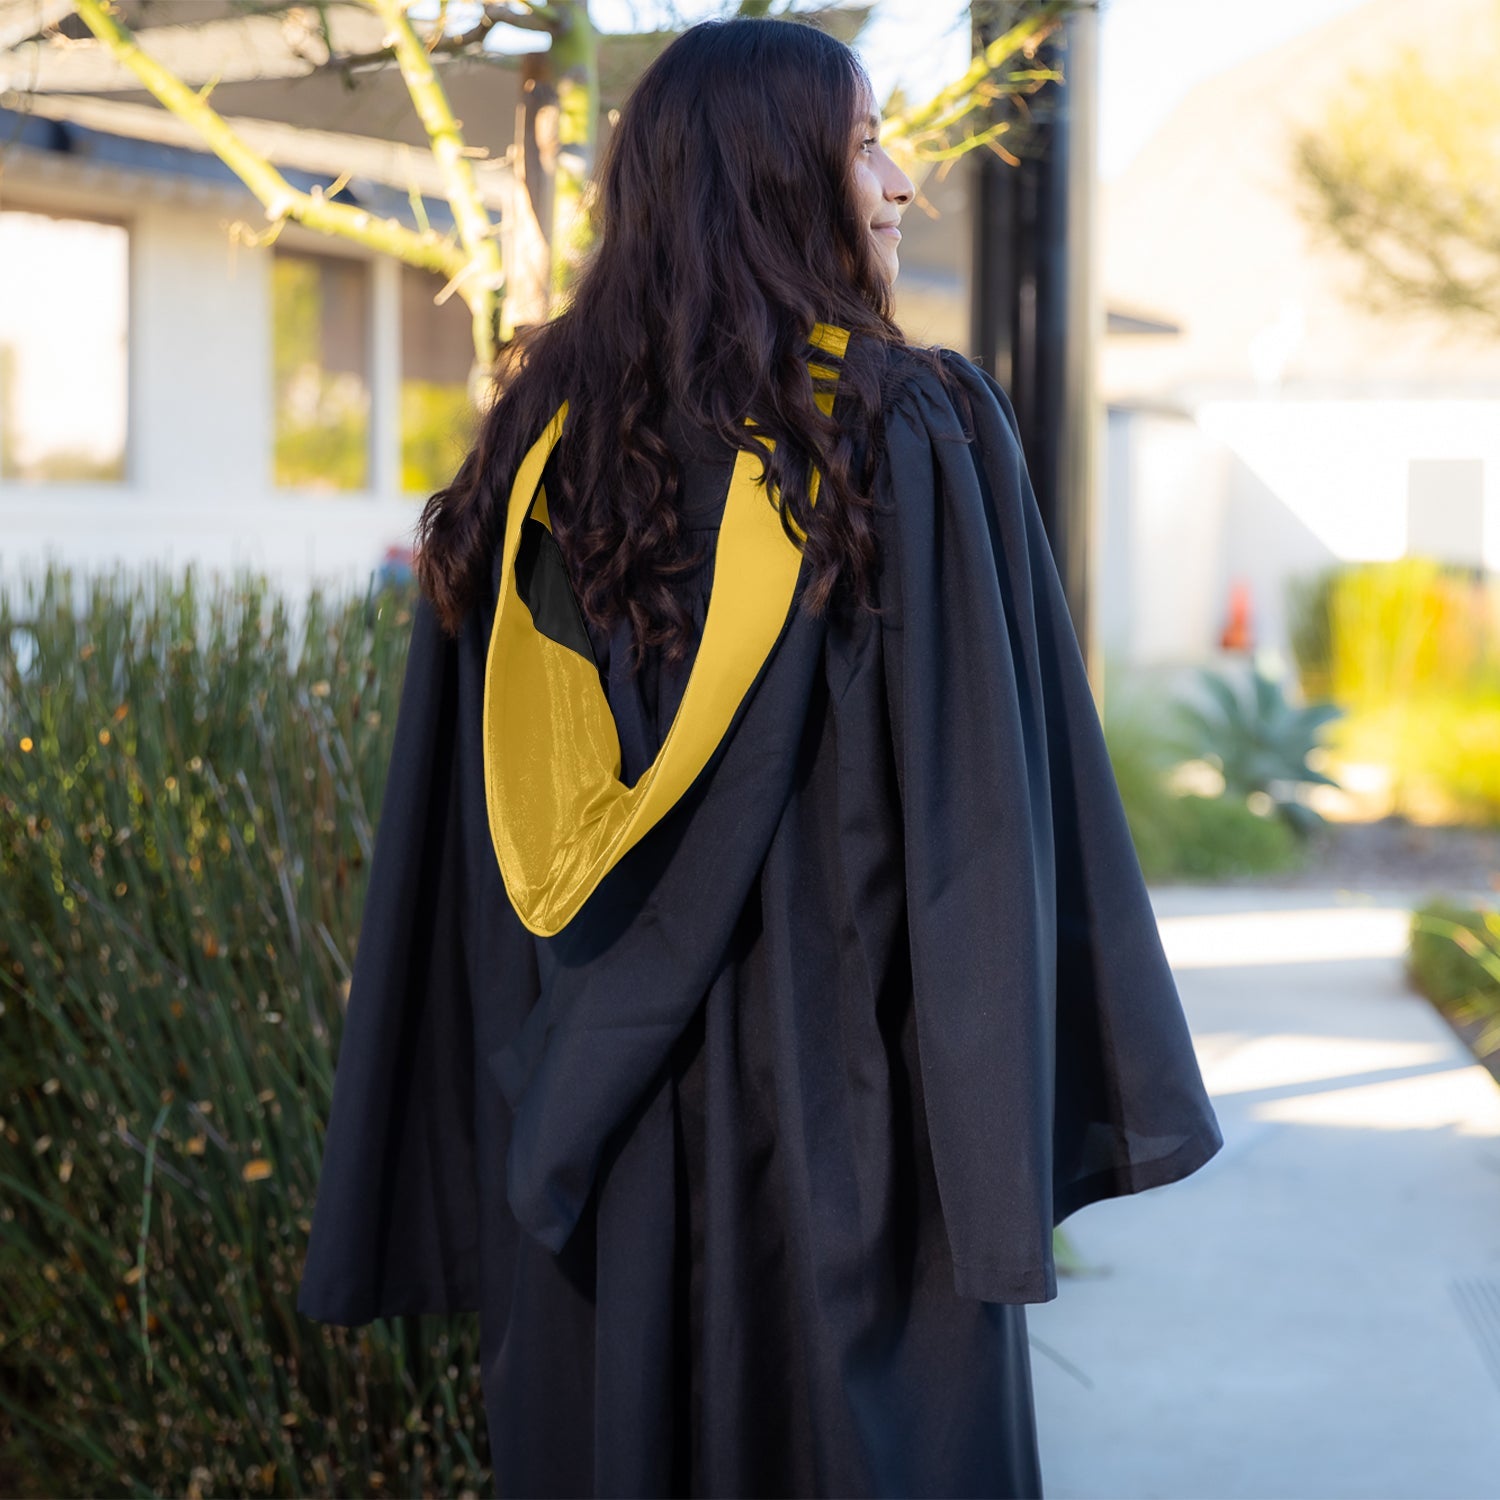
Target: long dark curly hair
(725, 227)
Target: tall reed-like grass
(1411, 628)
(1411, 649)
(189, 783)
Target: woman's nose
(900, 188)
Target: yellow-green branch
(486, 277)
(280, 199)
(967, 92)
(575, 61)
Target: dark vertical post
(1035, 314)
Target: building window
(64, 300)
(321, 364)
(438, 426)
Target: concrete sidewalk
(1316, 1312)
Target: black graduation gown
(751, 1169)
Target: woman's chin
(886, 258)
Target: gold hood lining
(560, 817)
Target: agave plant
(1259, 741)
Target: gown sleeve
(1055, 1055)
(397, 1224)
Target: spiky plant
(1259, 741)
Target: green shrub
(1453, 958)
(1179, 837)
(1141, 758)
(188, 790)
(1219, 836)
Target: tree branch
(484, 272)
(1401, 175)
(281, 200)
(575, 62)
(522, 17)
(978, 84)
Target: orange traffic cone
(1238, 634)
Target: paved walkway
(1316, 1312)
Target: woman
(756, 966)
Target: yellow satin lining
(560, 817)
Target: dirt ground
(1392, 853)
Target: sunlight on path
(1307, 935)
(1306, 1315)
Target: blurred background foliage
(1401, 175)
(322, 413)
(1411, 650)
(188, 791)
(437, 429)
(1396, 672)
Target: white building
(173, 391)
(1284, 427)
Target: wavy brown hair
(725, 227)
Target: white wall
(1342, 468)
(1268, 489)
(1161, 570)
(200, 434)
